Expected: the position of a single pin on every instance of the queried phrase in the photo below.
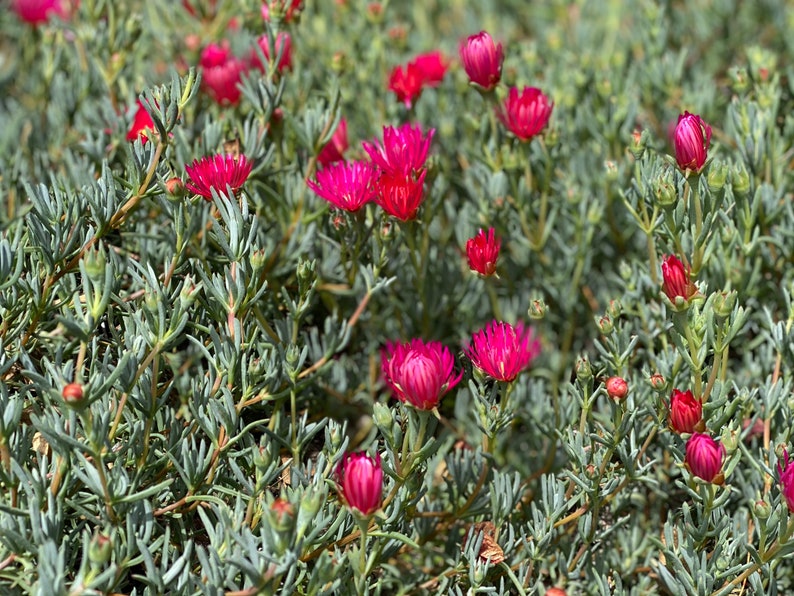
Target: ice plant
(360, 481)
(218, 172)
(346, 185)
(221, 72)
(525, 113)
(502, 350)
(419, 373)
(691, 138)
(704, 456)
(675, 280)
(39, 11)
(786, 474)
(482, 60)
(403, 151)
(400, 196)
(685, 411)
(334, 149)
(288, 10)
(142, 125)
(407, 82)
(482, 252)
(617, 388)
(283, 47)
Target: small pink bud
(175, 186)
(692, 138)
(704, 456)
(686, 412)
(360, 482)
(72, 393)
(482, 60)
(617, 388)
(675, 280)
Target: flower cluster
(407, 82)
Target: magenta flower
(36, 12)
(346, 185)
(692, 138)
(482, 252)
(502, 350)
(675, 280)
(142, 125)
(360, 481)
(407, 82)
(685, 411)
(482, 60)
(334, 149)
(221, 72)
(704, 456)
(527, 114)
(419, 373)
(401, 196)
(217, 172)
(403, 152)
(283, 51)
(786, 473)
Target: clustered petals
(360, 481)
(419, 373)
(685, 411)
(704, 456)
(346, 185)
(482, 252)
(407, 82)
(786, 474)
(502, 350)
(675, 280)
(217, 172)
(482, 60)
(692, 138)
(36, 12)
(525, 113)
(221, 73)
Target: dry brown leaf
(490, 549)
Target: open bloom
(335, 148)
(502, 350)
(419, 373)
(346, 185)
(221, 72)
(217, 172)
(704, 456)
(525, 114)
(482, 252)
(786, 473)
(685, 411)
(39, 11)
(283, 47)
(360, 481)
(400, 196)
(404, 149)
(482, 60)
(675, 280)
(407, 82)
(142, 125)
(691, 138)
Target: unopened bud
(729, 439)
(72, 394)
(718, 174)
(537, 309)
(175, 187)
(375, 12)
(658, 383)
(257, 259)
(555, 592)
(724, 303)
(664, 193)
(584, 372)
(605, 325)
(740, 81)
(639, 141)
(615, 308)
(611, 169)
(99, 549)
(762, 509)
(283, 512)
(617, 388)
(95, 261)
(740, 180)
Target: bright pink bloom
(289, 9)
(360, 481)
(221, 72)
(502, 350)
(692, 138)
(786, 473)
(419, 373)
(482, 252)
(217, 172)
(407, 82)
(39, 11)
(283, 52)
(704, 456)
(401, 196)
(482, 60)
(333, 149)
(525, 114)
(346, 185)
(403, 152)
(142, 125)
(432, 66)
(685, 411)
(675, 280)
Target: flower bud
(175, 187)
(283, 513)
(729, 438)
(724, 303)
(665, 193)
(72, 394)
(617, 388)
(257, 258)
(704, 456)
(95, 261)
(99, 549)
(360, 481)
(382, 416)
(555, 592)
(740, 81)
(482, 60)
(676, 283)
(691, 138)
(762, 509)
(740, 180)
(584, 372)
(639, 141)
(686, 412)
(615, 308)
(718, 174)
(611, 171)
(537, 309)
(605, 325)
(658, 382)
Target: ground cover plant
(396, 298)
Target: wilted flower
(617, 388)
(502, 350)
(482, 252)
(283, 49)
(221, 72)
(39, 11)
(692, 138)
(482, 60)
(704, 456)
(400, 196)
(346, 185)
(217, 172)
(334, 149)
(685, 411)
(786, 473)
(142, 124)
(419, 373)
(525, 114)
(675, 280)
(407, 82)
(403, 152)
(360, 481)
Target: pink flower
(36, 12)
(786, 473)
(217, 172)
(704, 456)
(333, 150)
(685, 411)
(221, 73)
(675, 280)
(419, 373)
(502, 350)
(142, 125)
(283, 49)
(404, 150)
(400, 196)
(527, 114)
(482, 252)
(407, 82)
(482, 60)
(432, 66)
(346, 185)
(360, 481)
(691, 138)
(288, 9)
